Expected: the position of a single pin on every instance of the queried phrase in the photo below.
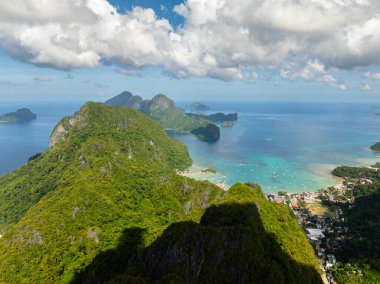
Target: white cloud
(373, 76)
(305, 39)
(314, 70)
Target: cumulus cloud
(313, 70)
(228, 40)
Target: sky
(302, 50)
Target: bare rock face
(57, 134)
(62, 128)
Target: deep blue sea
(19, 141)
(282, 146)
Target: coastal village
(320, 213)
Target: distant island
(164, 110)
(198, 107)
(376, 146)
(21, 115)
(216, 117)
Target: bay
(280, 145)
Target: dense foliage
(164, 110)
(361, 254)
(241, 238)
(112, 169)
(355, 172)
(107, 188)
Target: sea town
(321, 215)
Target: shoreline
(196, 171)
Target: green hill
(241, 238)
(106, 189)
(164, 110)
(362, 251)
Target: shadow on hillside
(114, 261)
(230, 245)
(364, 224)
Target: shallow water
(288, 146)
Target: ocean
(280, 145)
(287, 146)
(20, 141)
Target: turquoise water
(282, 146)
(288, 146)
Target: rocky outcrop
(126, 99)
(210, 133)
(164, 110)
(62, 127)
(376, 146)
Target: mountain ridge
(106, 190)
(165, 111)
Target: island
(21, 115)
(210, 133)
(198, 107)
(216, 117)
(164, 110)
(376, 146)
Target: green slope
(107, 188)
(362, 251)
(110, 169)
(241, 238)
(164, 110)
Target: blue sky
(192, 50)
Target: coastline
(197, 171)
